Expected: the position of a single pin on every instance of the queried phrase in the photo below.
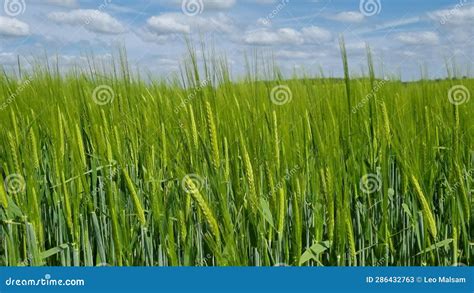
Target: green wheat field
(104, 167)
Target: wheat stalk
(67, 204)
(34, 149)
(464, 197)
(227, 160)
(281, 211)
(204, 207)
(350, 237)
(386, 123)
(212, 132)
(194, 133)
(61, 134)
(250, 181)
(326, 178)
(14, 152)
(15, 127)
(3, 194)
(80, 146)
(427, 213)
(135, 199)
(276, 140)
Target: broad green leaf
(314, 251)
(437, 245)
(53, 251)
(265, 209)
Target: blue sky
(302, 35)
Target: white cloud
(219, 4)
(66, 3)
(287, 36)
(168, 24)
(264, 22)
(397, 23)
(408, 54)
(456, 24)
(206, 4)
(147, 35)
(314, 34)
(348, 16)
(297, 54)
(458, 16)
(69, 60)
(418, 38)
(12, 27)
(290, 35)
(93, 20)
(266, 37)
(178, 23)
(355, 46)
